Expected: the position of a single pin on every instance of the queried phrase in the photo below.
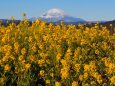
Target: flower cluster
(56, 55)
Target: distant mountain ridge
(8, 21)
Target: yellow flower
(77, 67)
(41, 73)
(83, 41)
(45, 38)
(86, 68)
(3, 39)
(81, 77)
(85, 75)
(41, 46)
(23, 51)
(64, 62)
(2, 80)
(92, 66)
(69, 50)
(97, 77)
(97, 52)
(41, 62)
(85, 84)
(5, 58)
(112, 79)
(47, 81)
(58, 57)
(9, 48)
(12, 57)
(34, 48)
(111, 65)
(7, 67)
(32, 58)
(93, 83)
(37, 21)
(16, 47)
(74, 83)
(52, 74)
(21, 58)
(95, 74)
(99, 81)
(64, 73)
(57, 84)
(27, 66)
(30, 39)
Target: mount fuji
(57, 15)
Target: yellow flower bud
(57, 84)
(74, 83)
(27, 66)
(7, 67)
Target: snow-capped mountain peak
(53, 13)
(56, 15)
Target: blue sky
(90, 10)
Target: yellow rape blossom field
(56, 55)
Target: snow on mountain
(56, 15)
